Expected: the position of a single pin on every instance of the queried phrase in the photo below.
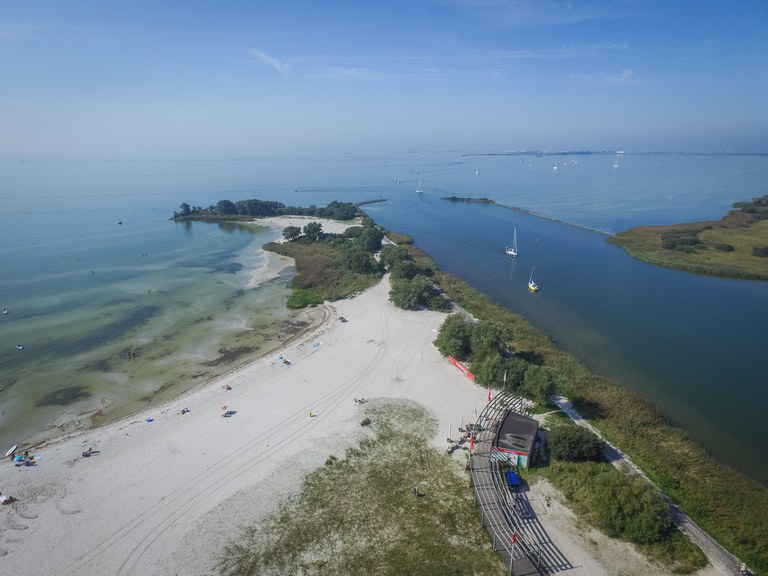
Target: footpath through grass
(359, 515)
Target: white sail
(512, 250)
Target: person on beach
(4, 499)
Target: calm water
(82, 289)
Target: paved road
(718, 556)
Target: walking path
(718, 556)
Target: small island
(735, 246)
(468, 199)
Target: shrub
(453, 338)
(539, 383)
(365, 422)
(631, 509)
(574, 443)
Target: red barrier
(461, 367)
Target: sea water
(92, 270)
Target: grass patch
(724, 248)
(599, 493)
(358, 515)
(320, 273)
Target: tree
(538, 383)
(453, 337)
(355, 259)
(515, 369)
(490, 372)
(488, 338)
(225, 208)
(631, 509)
(404, 269)
(291, 232)
(411, 294)
(185, 209)
(574, 444)
(391, 255)
(313, 231)
(371, 238)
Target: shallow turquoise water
(82, 289)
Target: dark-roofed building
(515, 439)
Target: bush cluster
(681, 239)
(574, 444)
(412, 286)
(486, 346)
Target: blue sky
(211, 79)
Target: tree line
(265, 208)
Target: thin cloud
(279, 65)
(625, 77)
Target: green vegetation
(360, 515)
(467, 199)
(677, 465)
(333, 266)
(412, 287)
(330, 266)
(626, 507)
(248, 209)
(574, 444)
(486, 346)
(735, 246)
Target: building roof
(517, 433)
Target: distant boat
(418, 188)
(512, 250)
(532, 286)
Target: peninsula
(736, 246)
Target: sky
(168, 79)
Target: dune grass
(724, 248)
(358, 515)
(319, 273)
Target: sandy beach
(164, 489)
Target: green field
(735, 246)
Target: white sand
(161, 497)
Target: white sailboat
(512, 250)
(418, 188)
(532, 286)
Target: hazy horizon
(167, 80)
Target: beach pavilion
(515, 439)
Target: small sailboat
(418, 188)
(512, 250)
(532, 286)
